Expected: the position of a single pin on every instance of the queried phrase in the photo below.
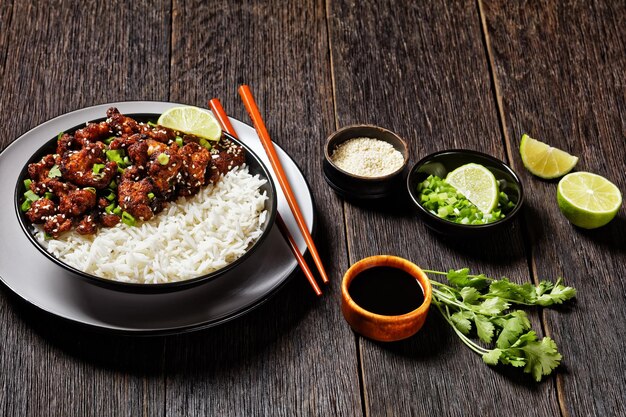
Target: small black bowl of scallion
(447, 199)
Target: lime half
(588, 200)
(192, 121)
(477, 184)
(543, 160)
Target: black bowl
(351, 186)
(255, 167)
(443, 162)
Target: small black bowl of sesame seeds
(365, 162)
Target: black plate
(255, 166)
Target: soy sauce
(387, 291)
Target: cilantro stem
(449, 300)
(473, 346)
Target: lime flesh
(543, 160)
(192, 121)
(588, 200)
(477, 184)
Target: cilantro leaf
(484, 328)
(541, 357)
(492, 356)
(512, 328)
(470, 295)
(492, 306)
(504, 288)
(461, 321)
(462, 278)
(557, 295)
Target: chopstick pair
(222, 118)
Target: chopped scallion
(27, 184)
(91, 189)
(113, 185)
(205, 143)
(48, 195)
(163, 158)
(117, 156)
(128, 219)
(117, 211)
(109, 209)
(25, 205)
(109, 140)
(179, 141)
(60, 135)
(110, 196)
(97, 168)
(29, 195)
(150, 196)
(152, 124)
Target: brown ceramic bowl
(352, 186)
(380, 327)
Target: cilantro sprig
(480, 305)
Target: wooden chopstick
(257, 120)
(222, 118)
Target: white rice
(191, 237)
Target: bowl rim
(134, 287)
(394, 262)
(405, 153)
(466, 227)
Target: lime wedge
(477, 184)
(543, 160)
(192, 121)
(588, 200)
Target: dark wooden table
(464, 74)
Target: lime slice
(192, 121)
(543, 160)
(477, 184)
(588, 200)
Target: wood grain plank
(6, 13)
(295, 355)
(62, 56)
(421, 70)
(560, 67)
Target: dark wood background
(442, 74)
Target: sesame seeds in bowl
(364, 162)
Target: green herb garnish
(97, 168)
(128, 219)
(205, 143)
(179, 141)
(31, 196)
(163, 158)
(26, 205)
(117, 156)
(27, 183)
(480, 305)
(54, 172)
(444, 201)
